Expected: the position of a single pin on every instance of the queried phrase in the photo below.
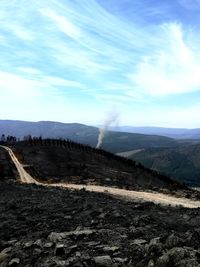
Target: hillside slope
(55, 160)
(182, 163)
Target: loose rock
(103, 261)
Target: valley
(182, 163)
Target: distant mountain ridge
(113, 141)
(178, 133)
(40, 128)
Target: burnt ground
(42, 226)
(51, 161)
(66, 161)
(96, 230)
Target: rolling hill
(114, 141)
(54, 160)
(181, 163)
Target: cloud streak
(101, 51)
(172, 70)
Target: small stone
(151, 263)
(7, 250)
(68, 217)
(116, 214)
(28, 244)
(154, 241)
(139, 242)
(37, 251)
(177, 254)
(186, 217)
(155, 247)
(82, 233)
(102, 215)
(14, 262)
(110, 249)
(163, 261)
(103, 261)
(55, 237)
(48, 245)
(120, 260)
(173, 241)
(78, 254)
(38, 243)
(17, 244)
(61, 263)
(92, 243)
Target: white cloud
(117, 86)
(12, 84)
(57, 81)
(113, 98)
(29, 70)
(63, 23)
(79, 59)
(32, 86)
(21, 32)
(174, 69)
(2, 39)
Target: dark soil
(76, 163)
(97, 230)
(53, 161)
(42, 226)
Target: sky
(78, 60)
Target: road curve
(25, 177)
(157, 198)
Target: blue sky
(77, 60)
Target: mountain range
(177, 133)
(178, 158)
(114, 141)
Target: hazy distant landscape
(177, 133)
(114, 141)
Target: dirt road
(155, 197)
(24, 176)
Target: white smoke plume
(111, 118)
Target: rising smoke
(111, 118)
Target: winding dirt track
(157, 198)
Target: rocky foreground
(42, 226)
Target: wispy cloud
(102, 52)
(21, 32)
(173, 69)
(63, 23)
(23, 86)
